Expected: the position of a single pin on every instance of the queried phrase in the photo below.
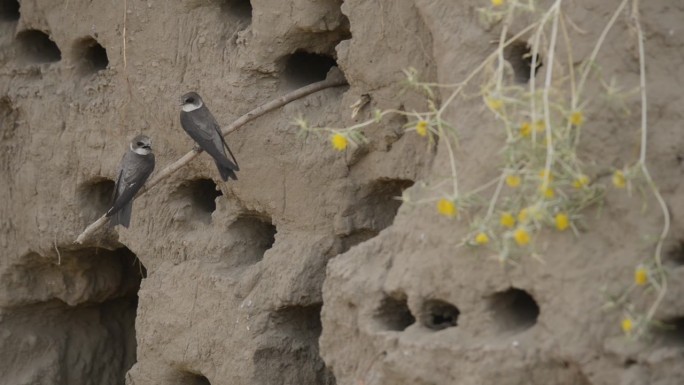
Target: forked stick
(333, 81)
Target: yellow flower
(481, 238)
(562, 221)
(540, 125)
(494, 103)
(543, 173)
(498, 3)
(513, 181)
(446, 207)
(580, 182)
(525, 129)
(627, 325)
(521, 236)
(619, 180)
(523, 215)
(641, 276)
(548, 192)
(576, 118)
(339, 141)
(421, 127)
(507, 220)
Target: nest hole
(670, 333)
(199, 195)
(439, 315)
(254, 234)
(382, 200)
(299, 322)
(519, 56)
(378, 204)
(90, 56)
(36, 47)
(514, 310)
(95, 197)
(88, 303)
(294, 358)
(238, 9)
(192, 378)
(9, 10)
(675, 255)
(304, 68)
(394, 314)
(354, 238)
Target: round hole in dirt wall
(94, 197)
(90, 56)
(675, 256)
(254, 234)
(9, 10)
(199, 197)
(36, 47)
(670, 333)
(393, 313)
(519, 56)
(240, 10)
(304, 68)
(514, 310)
(439, 315)
(191, 378)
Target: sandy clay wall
(307, 270)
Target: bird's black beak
(147, 146)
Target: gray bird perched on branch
(200, 124)
(136, 166)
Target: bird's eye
(141, 144)
(190, 100)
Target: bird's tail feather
(123, 216)
(226, 172)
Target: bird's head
(191, 101)
(141, 145)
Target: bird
(136, 166)
(199, 123)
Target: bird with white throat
(136, 166)
(198, 122)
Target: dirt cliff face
(306, 270)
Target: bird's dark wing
(203, 129)
(119, 182)
(134, 173)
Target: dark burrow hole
(514, 310)
(381, 200)
(354, 238)
(290, 354)
(378, 204)
(95, 197)
(190, 378)
(37, 47)
(240, 9)
(675, 256)
(253, 235)
(438, 315)
(519, 55)
(200, 195)
(394, 313)
(89, 331)
(303, 68)
(670, 333)
(90, 56)
(9, 10)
